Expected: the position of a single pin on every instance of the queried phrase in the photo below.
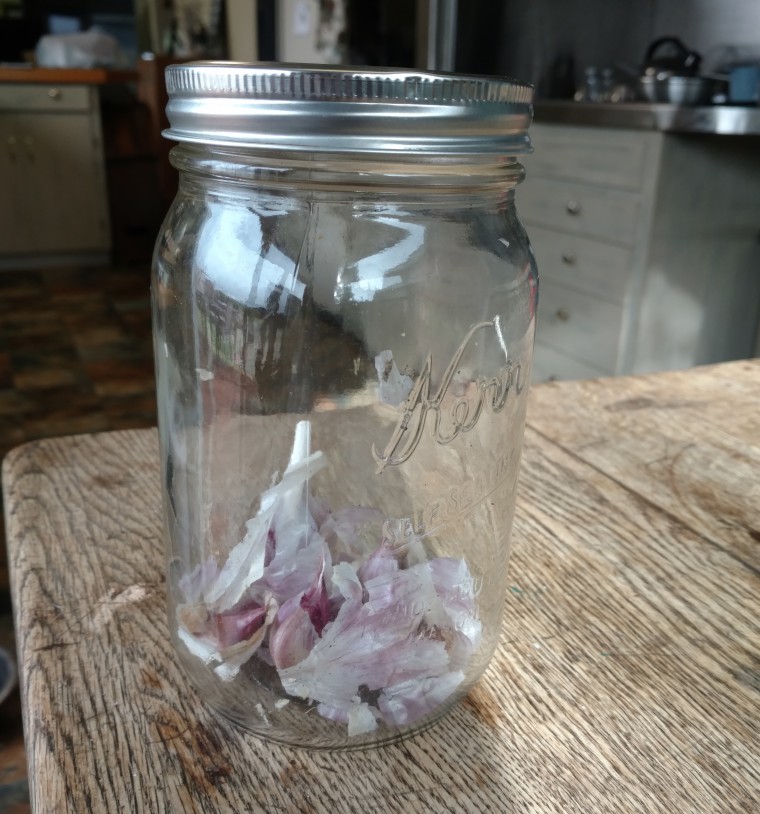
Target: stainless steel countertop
(720, 120)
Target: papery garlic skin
(369, 636)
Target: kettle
(678, 60)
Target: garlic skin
(369, 638)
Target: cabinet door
(604, 214)
(601, 269)
(15, 226)
(580, 325)
(550, 365)
(603, 157)
(65, 198)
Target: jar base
(342, 743)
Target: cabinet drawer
(580, 209)
(598, 268)
(580, 325)
(52, 98)
(550, 365)
(604, 157)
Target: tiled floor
(75, 356)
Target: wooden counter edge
(67, 76)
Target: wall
(297, 23)
(601, 33)
(242, 31)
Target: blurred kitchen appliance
(677, 59)
(744, 84)
(670, 75)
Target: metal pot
(678, 90)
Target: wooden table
(627, 679)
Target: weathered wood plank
(627, 679)
(689, 442)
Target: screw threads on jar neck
(354, 173)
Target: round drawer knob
(573, 208)
(54, 93)
(562, 315)
(568, 258)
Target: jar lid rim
(330, 108)
(302, 81)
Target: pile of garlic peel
(367, 632)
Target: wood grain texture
(691, 447)
(627, 678)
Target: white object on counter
(83, 49)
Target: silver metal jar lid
(327, 109)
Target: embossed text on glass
(491, 393)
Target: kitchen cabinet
(53, 199)
(647, 248)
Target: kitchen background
(596, 32)
(78, 214)
(498, 36)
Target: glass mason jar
(344, 303)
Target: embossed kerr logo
(491, 393)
